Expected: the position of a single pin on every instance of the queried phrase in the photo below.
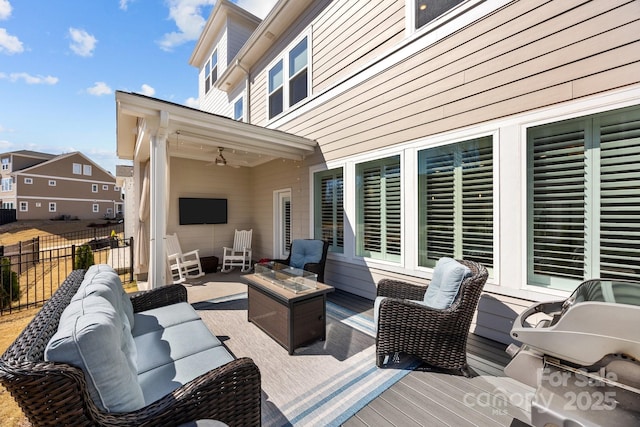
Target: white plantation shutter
(620, 196)
(329, 208)
(583, 200)
(379, 209)
(456, 202)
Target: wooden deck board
(427, 397)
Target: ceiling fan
(220, 160)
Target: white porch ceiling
(197, 135)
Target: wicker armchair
(314, 267)
(55, 394)
(438, 337)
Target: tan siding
(279, 175)
(351, 34)
(431, 91)
(190, 178)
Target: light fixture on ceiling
(220, 160)
(423, 6)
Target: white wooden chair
(240, 253)
(183, 265)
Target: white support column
(159, 204)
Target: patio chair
(438, 336)
(183, 265)
(309, 255)
(239, 254)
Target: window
(116, 188)
(52, 206)
(105, 187)
(238, 112)
(298, 73)
(428, 10)
(52, 183)
(276, 90)
(86, 170)
(211, 72)
(455, 202)
(582, 200)
(7, 205)
(329, 208)
(7, 184)
(77, 169)
(379, 213)
(96, 208)
(297, 85)
(6, 164)
(94, 188)
(28, 180)
(38, 204)
(24, 206)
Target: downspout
(247, 85)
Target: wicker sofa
(55, 393)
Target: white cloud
(9, 44)
(147, 90)
(187, 14)
(5, 9)
(124, 4)
(99, 89)
(259, 8)
(29, 79)
(192, 102)
(82, 43)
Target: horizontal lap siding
(519, 58)
(350, 34)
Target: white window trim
(53, 206)
(28, 180)
(52, 183)
(105, 187)
(87, 170)
(284, 57)
(444, 19)
(94, 188)
(95, 208)
(24, 206)
(77, 169)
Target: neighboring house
(46, 186)
(506, 132)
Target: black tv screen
(202, 211)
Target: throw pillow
(445, 283)
(89, 337)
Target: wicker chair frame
(438, 337)
(55, 394)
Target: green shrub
(84, 258)
(10, 287)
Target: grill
(582, 355)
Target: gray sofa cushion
(105, 275)
(90, 337)
(163, 317)
(164, 379)
(165, 346)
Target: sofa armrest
(158, 297)
(398, 289)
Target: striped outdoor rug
(322, 384)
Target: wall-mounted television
(202, 210)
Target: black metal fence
(32, 270)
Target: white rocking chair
(183, 265)
(240, 253)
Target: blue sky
(61, 62)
